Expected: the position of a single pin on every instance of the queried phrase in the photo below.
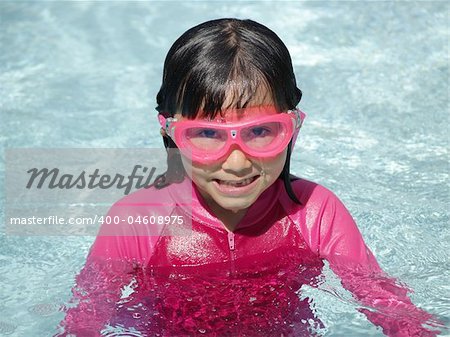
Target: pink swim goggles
(263, 135)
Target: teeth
(237, 183)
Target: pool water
(375, 82)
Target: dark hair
(209, 59)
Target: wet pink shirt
(202, 280)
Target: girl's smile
(236, 187)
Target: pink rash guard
(212, 282)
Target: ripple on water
(7, 328)
(120, 331)
(44, 309)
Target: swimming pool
(375, 82)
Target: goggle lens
(205, 139)
(260, 136)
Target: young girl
(247, 234)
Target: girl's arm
(98, 287)
(107, 276)
(331, 231)
(387, 301)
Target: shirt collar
(202, 214)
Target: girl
(247, 234)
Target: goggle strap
(165, 122)
(299, 117)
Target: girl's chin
(235, 205)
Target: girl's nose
(236, 161)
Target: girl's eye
(207, 133)
(260, 131)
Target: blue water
(375, 81)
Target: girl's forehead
(236, 115)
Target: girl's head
(220, 69)
(226, 63)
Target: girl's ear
(161, 120)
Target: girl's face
(235, 181)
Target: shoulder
(328, 226)
(135, 222)
(317, 203)
(141, 212)
(309, 192)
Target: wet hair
(214, 60)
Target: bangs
(209, 96)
